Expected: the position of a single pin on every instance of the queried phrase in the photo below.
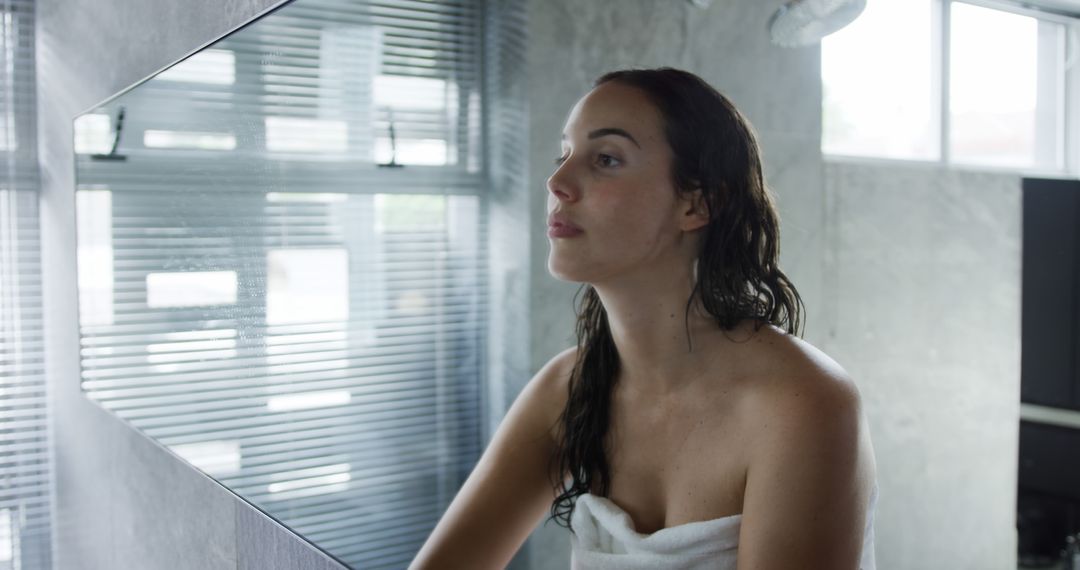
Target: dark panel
(1049, 293)
(1050, 460)
(1042, 523)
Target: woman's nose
(562, 188)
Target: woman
(689, 427)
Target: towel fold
(605, 539)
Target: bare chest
(677, 461)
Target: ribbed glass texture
(25, 466)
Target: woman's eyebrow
(609, 131)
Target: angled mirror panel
(281, 265)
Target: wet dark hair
(716, 150)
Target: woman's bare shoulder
(554, 380)
(781, 367)
(565, 359)
(799, 388)
(555, 374)
(775, 349)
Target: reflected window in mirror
(281, 248)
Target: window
(1006, 76)
(25, 469)
(949, 81)
(879, 94)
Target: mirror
(280, 262)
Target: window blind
(282, 266)
(25, 467)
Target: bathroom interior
(287, 344)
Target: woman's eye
(607, 159)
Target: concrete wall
(122, 501)
(924, 312)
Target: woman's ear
(694, 211)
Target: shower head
(805, 22)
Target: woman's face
(614, 183)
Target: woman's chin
(565, 272)
(563, 276)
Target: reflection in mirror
(280, 247)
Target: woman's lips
(559, 225)
(561, 231)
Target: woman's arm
(509, 490)
(810, 477)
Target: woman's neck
(661, 345)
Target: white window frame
(942, 40)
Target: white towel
(605, 539)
